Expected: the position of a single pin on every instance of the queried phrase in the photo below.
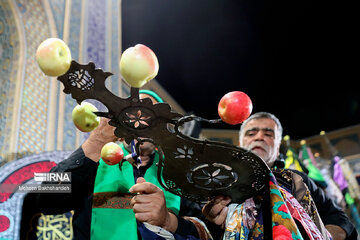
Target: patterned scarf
(245, 221)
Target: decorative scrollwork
(189, 167)
(81, 79)
(184, 152)
(212, 176)
(138, 120)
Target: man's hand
(149, 206)
(101, 135)
(216, 210)
(336, 232)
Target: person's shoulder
(310, 183)
(305, 178)
(301, 174)
(287, 172)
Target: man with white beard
(261, 134)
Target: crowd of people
(128, 202)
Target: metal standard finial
(333, 150)
(190, 167)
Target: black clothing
(193, 209)
(140, 171)
(83, 172)
(328, 210)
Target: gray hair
(259, 115)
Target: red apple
(235, 107)
(138, 65)
(112, 153)
(53, 57)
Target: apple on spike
(112, 153)
(84, 117)
(235, 107)
(53, 57)
(138, 65)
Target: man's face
(259, 136)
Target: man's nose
(260, 136)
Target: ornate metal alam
(192, 168)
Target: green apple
(138, 65)
(112, 153)
(84, 117)
(53, 57)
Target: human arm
(149, 206)
(100, 136)
(194, 209)
(216, 210)
(334, 218)
(83, 172)
(82, 164)
(336, 232)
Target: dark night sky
(293, 58)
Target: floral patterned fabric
(246, 221)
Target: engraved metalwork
(212, 177)
(189, 167)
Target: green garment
(291, 162)
(117, 220)
(314, 172)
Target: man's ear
(239, 143)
